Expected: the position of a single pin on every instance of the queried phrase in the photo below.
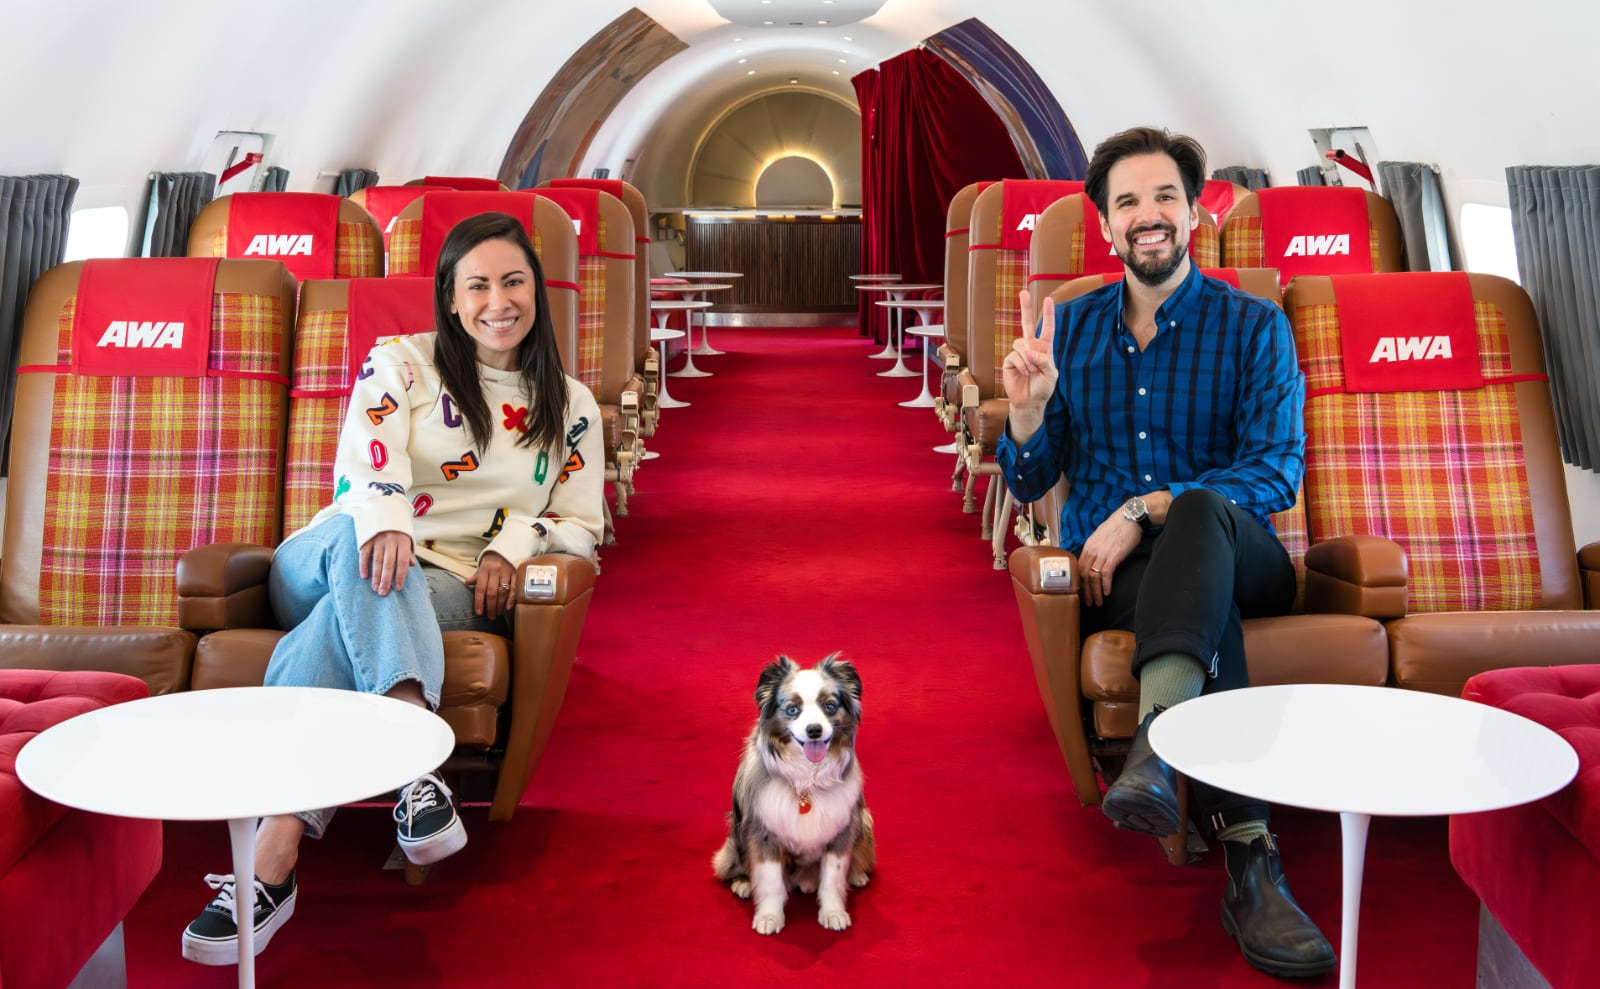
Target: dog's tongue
(816, 751)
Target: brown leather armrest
(1045, 570)
(1589, 574)
(1357, 575)
(563, 579)
(160, 657)
(224, 585)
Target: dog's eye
(830, 707)
(793, 710)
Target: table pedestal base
(1353, 832)
(242, 836)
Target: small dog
(799, 818)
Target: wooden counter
(791, 264)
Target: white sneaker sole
(209, 951)
(437, 846)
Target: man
(1172, 403)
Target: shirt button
(1130, 350)
(1147, 477)
(1141, 436)
(1141, 391)
(1025, 456)
(1173, 325)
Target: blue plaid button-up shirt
(1215, 401)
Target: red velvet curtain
(925, 134)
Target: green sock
(1169, 679)
(1244, 832)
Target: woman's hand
(493, 585)
(386, 558)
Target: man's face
(1148, 218)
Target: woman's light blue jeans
(343, 634)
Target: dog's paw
(859, 879)
(834, 920)
(741, 888)
(771, 923)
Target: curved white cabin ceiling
(109, 91)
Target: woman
(463, 452)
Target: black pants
(1186, 588)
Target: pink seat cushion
(30, 702)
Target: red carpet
(797, 509)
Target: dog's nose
(813, 731)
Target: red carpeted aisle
(797, 509)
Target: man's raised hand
(1029, 372)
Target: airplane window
(99, 232)
(1487, 241)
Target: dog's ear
(845, 672)
(772, 678)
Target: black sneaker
(427, 825)
(211, 939)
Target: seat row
(174, 418)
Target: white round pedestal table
(923, 308)
(664, 308)
(1360, 751)
(897, 292)
(235, 754)
(874, 278)
(705, 349)
(694, 293)
(926, 331)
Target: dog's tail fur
(728, 862)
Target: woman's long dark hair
(538, 360)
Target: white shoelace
(417, 796)
(225, 885)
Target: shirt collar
(1183, 301)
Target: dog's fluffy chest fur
(834, 788)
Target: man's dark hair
(1185, 151)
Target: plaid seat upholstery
(127, 473)
(1468, 481)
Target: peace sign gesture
(1029, 372)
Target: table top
(703, 274)
(895, 287)
(926, 330)
(912, 303)
(679, 304)
(234, 752)
(691, 287)
(657, 334)
(1368, 750)
(874, 278)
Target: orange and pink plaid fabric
(591, 320)
(405, 248)
(321, 360)
(1205, 246)
(1010, 278)
(1440, 473)
(144, 469)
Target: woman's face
(494, 299)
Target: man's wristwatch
(1135, 511)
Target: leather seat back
(115, 474)
(633, 200)
(606, 288)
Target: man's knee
(1197, 506)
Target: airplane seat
(1090, 694)
(1004, 217)
(952, 353)
(314, 234)
(606, 307)
(499, 697)
(149, 418)
(1218, 197)
(462, 183)
(384, 203)
(1313, 230)
(1430, 428)
(639, 213)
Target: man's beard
(1153, 271)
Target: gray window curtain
(1412, 189)
(1250, 178)
(170, 208)
(1310, 175)
(35, 211)
(275, 179)
(1555, 220)
(352, 179)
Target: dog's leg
(728, 868)
(831, 892)
(865, 853)
(768, 887)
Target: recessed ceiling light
(794, 82)
(842, 61)
(848, 38)
(766, 22)
(751, 72)
(822, 22)
(835, 71)
(743, 60)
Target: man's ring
(1094, 569)
(505, 587)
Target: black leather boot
(1274, 934)
(1144, 799)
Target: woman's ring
(505, 587)
(1094, 569)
